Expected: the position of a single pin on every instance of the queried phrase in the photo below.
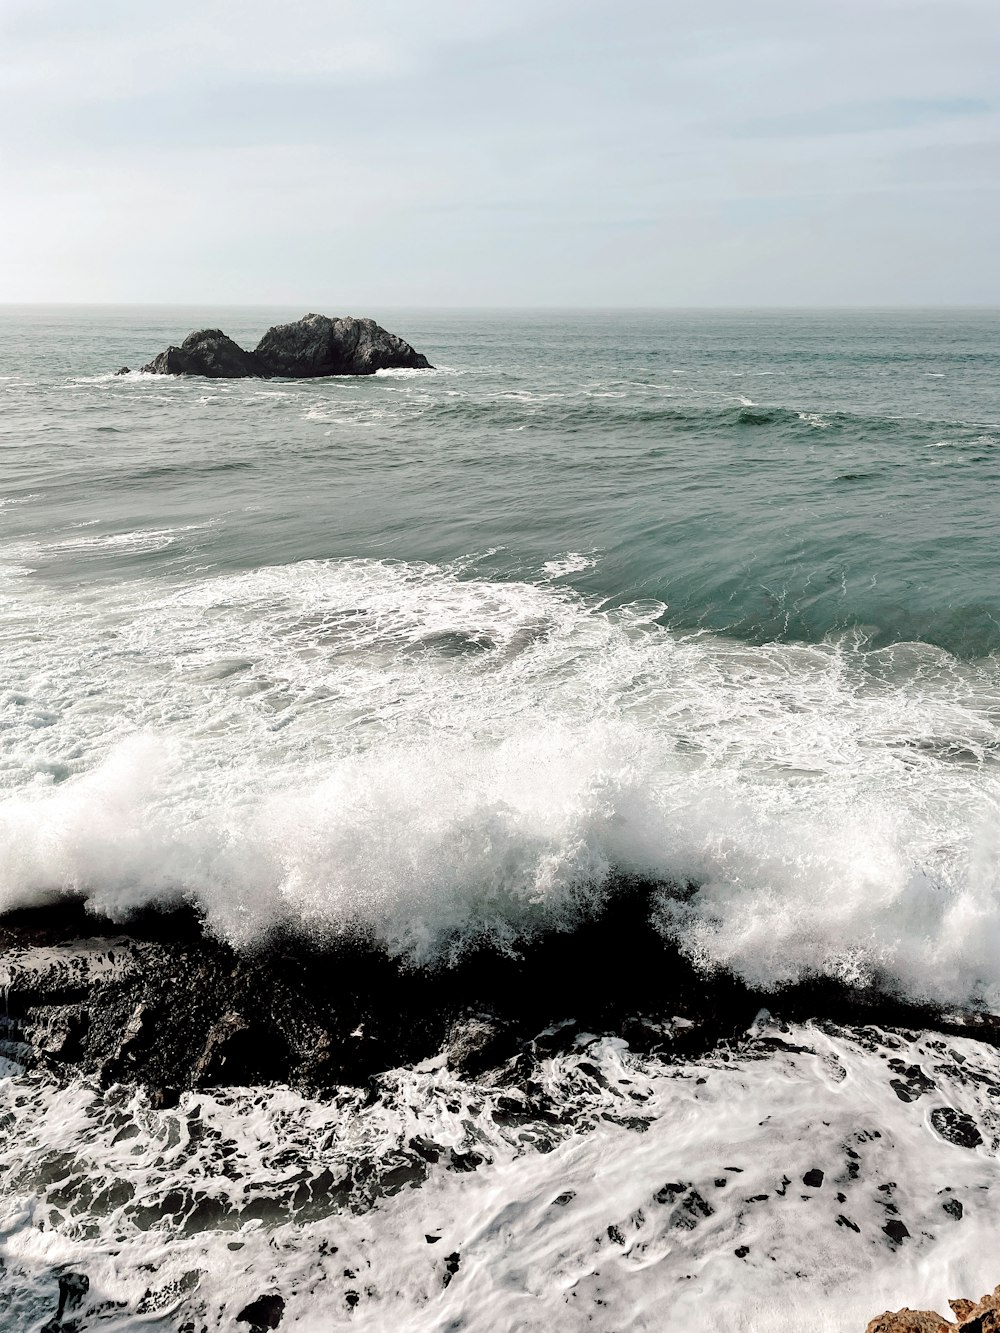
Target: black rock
(317, 346)
(263, 1313)
(124, 371)
(312, 348)
(956, 1127)
(813, 1178)
(208, 352)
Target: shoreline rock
(158, 1002)
(981, 1316)
(314, 347)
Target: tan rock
(973, 1317)
(910, 1321)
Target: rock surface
(317, 346)
(161, 1003)
(313, 347)
(973, 1317)
(208, 352)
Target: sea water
(708, 598)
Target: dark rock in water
(72, 1289)
(159, 1002)
(263, 1313)
(956, 1127)
(124, 371)
(314, 347)
(477, 1044)
(208, 352)
(317, 346)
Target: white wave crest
(436, 760)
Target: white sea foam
(762, 1191)
(573, 562)
(438, 758)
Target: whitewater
(435, 663)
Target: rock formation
(317, 346)
(208, 352)
(973, 1317)
(313, 347)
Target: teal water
(711, 598)
(774, 475)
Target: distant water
(713, 598)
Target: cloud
(469, 153)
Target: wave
(570, 410)
(303, 747)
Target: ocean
(704, 600)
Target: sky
(352, 156)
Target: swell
(564, 410)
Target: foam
(650, 1196)
(434, 759)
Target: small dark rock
(72, 1289)
(742, 1252)
(561, 1200)
(954, 1208)
(668, 1193)
(956, 1127)
(843, 1221)
(124, 371)
(895, 1230)
(263, 1313)
(813, 1178)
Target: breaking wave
(436, 761)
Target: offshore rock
(208, 352)
(314, 347)
(317, 346)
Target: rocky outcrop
(313, 347)
(973, 1317)
(208, 352)
(316, 346)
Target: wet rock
(973, 1317)
(909, 1321)
(72, 1289)
(124, 371)
(207, 352)
(477, 1044)
(57, 1031)
(813, 1178)
(911, 1081)
(262, 1314)
(317, 346)
(956, 1127)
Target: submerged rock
(313, 347)
(208, 352)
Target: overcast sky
(536, 152)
